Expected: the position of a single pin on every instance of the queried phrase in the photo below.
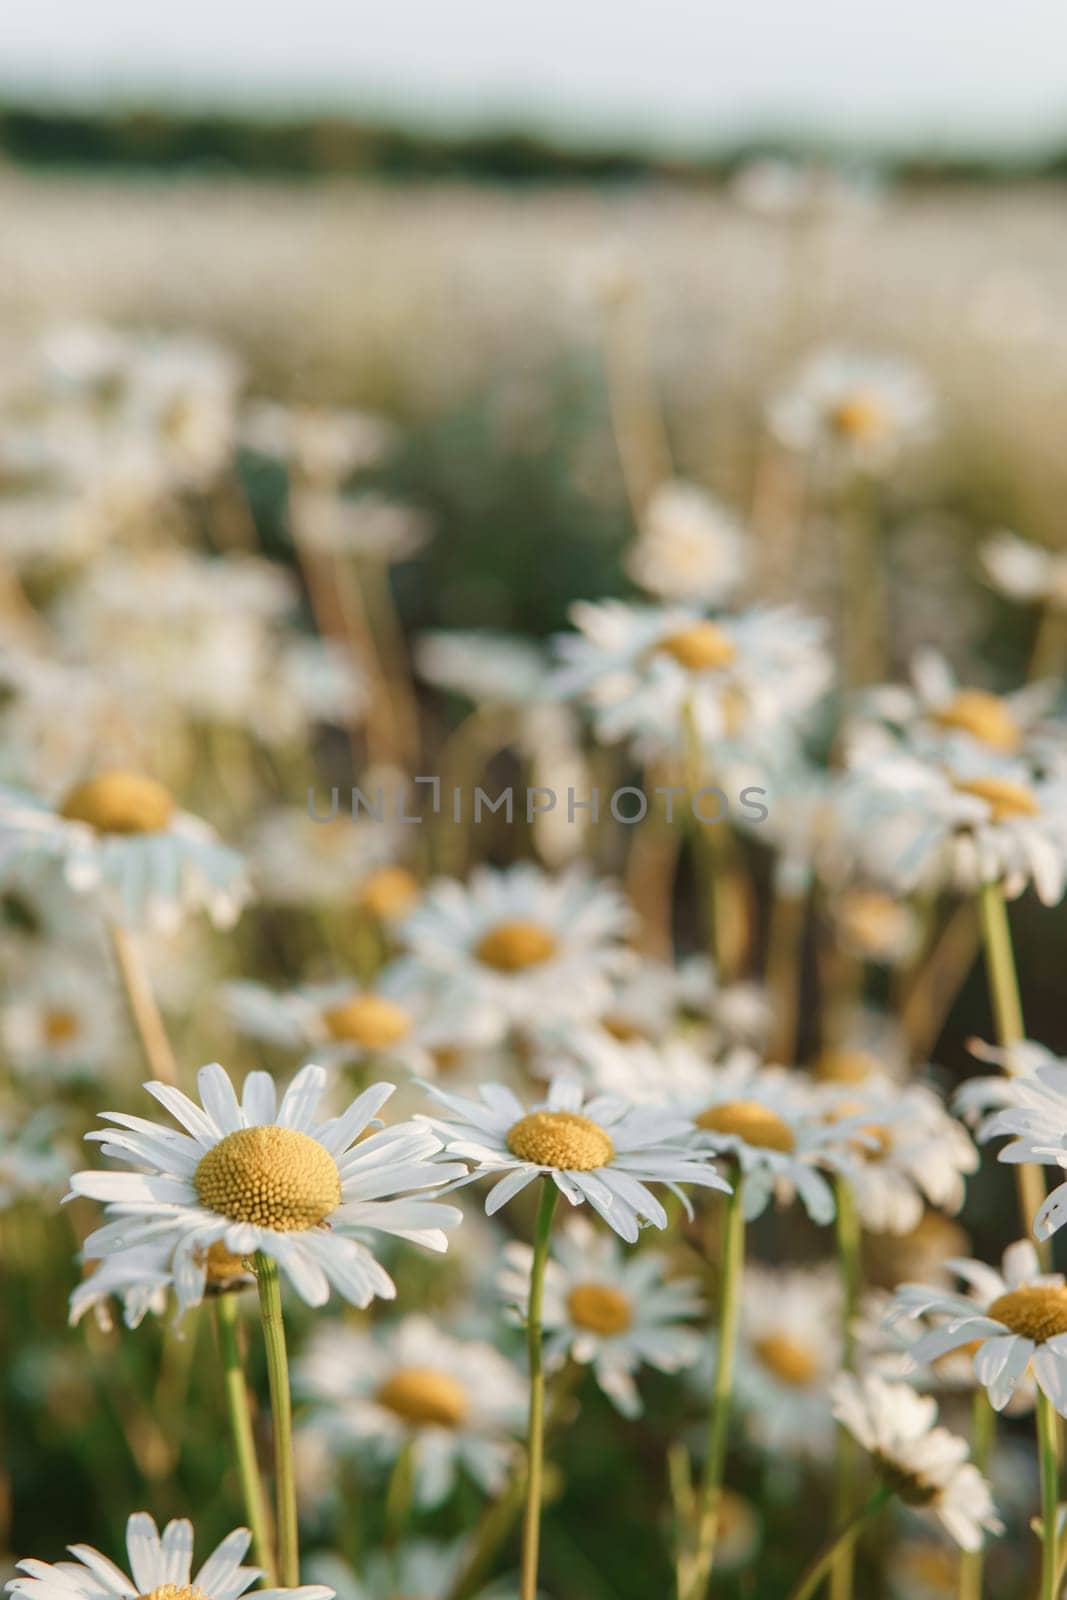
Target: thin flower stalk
(1010, 1028)
(244, 1445)
(270, 1304)
(710, 1499)
(535, 1442)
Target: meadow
(582, 1207)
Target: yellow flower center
(787, 1358)
(222, 1266)
(930, 1568)
(60, 1026)
(874, 920)
(622, 1028)
(846, 1066)
(984, 716)
(560, 1139)
(860, 416)
(270, 1176)
(422, 1395)
(748, 1120)
(1004, 798)
(599, 1308)
(119, 802)
(175, 1591)
(388, 892)
(1036, 1311)
(368, 1020)
(512, 946)
(700, 648)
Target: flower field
(533, 839)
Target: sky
(668, 73)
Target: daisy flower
(979, 1097)
(121, 836)
(457, 1404)
(59, 1022)
(516, 948)
(257, 1175)
(31, 1166)
(911, 1150)
(368, 526)
(926, 824)
(598, 1149)
(787, 1354)
(418, 1568)
(612, 1311)
(642, 671)
(937, 710)
(142, 1279)
(320, 445)
(925, 1465)
(302, 860)
(1035, 1117)
(689, 546)
(161, 1566)
(1025, 571)
(763, 1119)
(852, 410)
(1014, 1321)
(349, 1023)
(490, 669)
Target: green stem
(270, 1306)
(725, 901)
(398, 1496)
(983, 1429)
(848, 1253)
(244, 1445)
(1010, 1028)
(816, 1572)
(1046, 1444)
(733, 1260)
(535, 1439)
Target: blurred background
(518, 233)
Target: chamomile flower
(368, 526)
(320, 445)
(32, 1167)
(643, 670)
(1013, 1321)
(142, 1280)
(1035, 1117)
(928, 824)
(59, 1021)
(599, 1149)
(764, 1120)
(787, 1354)
(300, 859)
(457, 1404)
(257, 1175)
(852, 410)
(689, 547)
(161, 1567)
(121, 837)
(1025, 571)
(342, 1022)
(938, 711)
(419, 1568)
(980, 1097)
(911, 1150)
(517, 948)
(490, 669)
(925, 1465)
(607, 1309)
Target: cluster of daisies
(597, 1097)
